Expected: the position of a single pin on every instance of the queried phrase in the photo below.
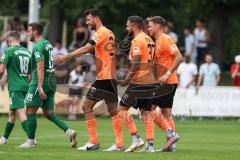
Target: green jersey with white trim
(42, 51)
(18, 62)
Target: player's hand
(59, 59)
(164, 78)
(41, 93)
(123, 82)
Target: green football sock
(31, 125)
(60, 123)
(8, 129)
(24, 126)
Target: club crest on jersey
(37, 54)
(135, 50)
(174, 46)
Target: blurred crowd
(198, 68)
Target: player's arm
(2, 69)
(40, 77)
(79, 52)
(4, 60)
(174, 51)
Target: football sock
(149, 126)
(128, 121)
(159, 120)
(117, 129)
(31, 125)
(60, 123)
(171, 123)
(8, 129)
(91, 125)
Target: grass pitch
(200, 140)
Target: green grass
(200, 140)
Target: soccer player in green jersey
(42, 87)
(16, 60)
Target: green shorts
(32, 98)
(17, 99)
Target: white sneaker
(72, 135)
(114, 148)
(135, 145)
(3, 141)
(89, 147)
(149, 148)
(28, 144)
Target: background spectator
(76, 82)
(61, 70)
(187, 73)
(59, 49)
(190, 46)
(168, 29)
(209, 73)
(202, 37)
(235, 71)
(81, 35)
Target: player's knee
(166, 113)
(87, 109)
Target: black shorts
(165, 100)
(103, 90)
(138, 96)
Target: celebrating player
(16, 60)
(167, 55)
(42, 87)
(138, 78)
(104, 88)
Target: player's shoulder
(141, 38)
(104, 31)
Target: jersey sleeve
(5, 57)
(170, 46)
(38, 54)
(98, 38)
(136, 48)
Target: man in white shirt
(209, 73)
(190, 46)
(187, 73)
(58, 49)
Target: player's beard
(130, 33)
(31, 38)
(92, 27)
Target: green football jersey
(42, 51)
(18, 61)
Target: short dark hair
(36, 27)
(95, 13)
(137, 20)
(14, 34)
(157, 20)
(201, 20)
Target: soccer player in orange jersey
(168, 55)
(104, 88)
(139, 79)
